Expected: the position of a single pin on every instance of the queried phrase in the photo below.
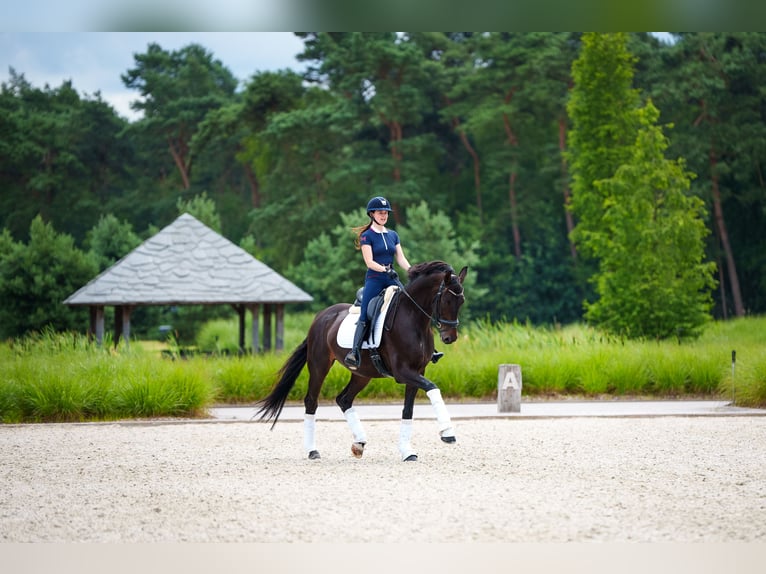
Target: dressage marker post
(509, 389)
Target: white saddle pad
(348, 326)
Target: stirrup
(352, 360)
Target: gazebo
(187, 263)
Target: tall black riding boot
(353, 358)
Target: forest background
(465, 133)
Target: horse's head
(449, 299)
(435, 284)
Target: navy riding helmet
(378, 203)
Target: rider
(379, 246)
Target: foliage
(110, 240)
(602, 109)
(489, 129)
(653, 280)
(202, 208)
(37, 277)
(635, 218)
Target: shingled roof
(187, 263)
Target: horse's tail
(271, 406)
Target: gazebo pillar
(96, 328)
(122, 324)
(280, 327)
(241, 314)
(255, 312)
(267, 327)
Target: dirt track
(674, 479)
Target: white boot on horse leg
(405, 435)
(360, 438)
(309, 438)
(446, 430)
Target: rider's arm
(401, 259)
(369, 261)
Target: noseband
(435, 315)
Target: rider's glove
(391, 273)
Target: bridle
(435, 315)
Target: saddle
(380, 315)
(374, 306)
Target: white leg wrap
(309, 440)
(442, 416)
(352, 418)
(405, 435)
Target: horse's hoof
(411, 458)
(314, 455)
(357, 449)
(449, 439)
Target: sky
(94, 61)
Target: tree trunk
(567, 193)
(476, 165)
(514, 215)
(255, 186)
(512, 140)
(739, 308)
(395, 134)
(178, 157)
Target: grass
(51, 377)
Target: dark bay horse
(432, 297)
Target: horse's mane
(428, 268)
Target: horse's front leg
(405, 429)
(446, 430)
(345, 401)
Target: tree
(110, 240)
(652, 279)
(37, 277)
(716, 98)
(602, 109)
(61, 157)
(635, 219)
(202, 208)
(178, 89)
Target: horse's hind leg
(345, 401)
(405, 428)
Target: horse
(432, 297)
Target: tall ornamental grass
(53, 377)
(64, 377)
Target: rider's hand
(391, 273)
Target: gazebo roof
(187, 263)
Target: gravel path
(670, 479)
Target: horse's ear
(463, 273)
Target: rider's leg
(372, 286)
(353, 358)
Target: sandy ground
(669, 479)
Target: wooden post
(97, 323)
(241, 314)
(126, 312)
(267, 308)
(509, 389)
(279, 344)
(254, 310)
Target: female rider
(379, 246)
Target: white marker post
(509, 389)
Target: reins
(434, 316)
